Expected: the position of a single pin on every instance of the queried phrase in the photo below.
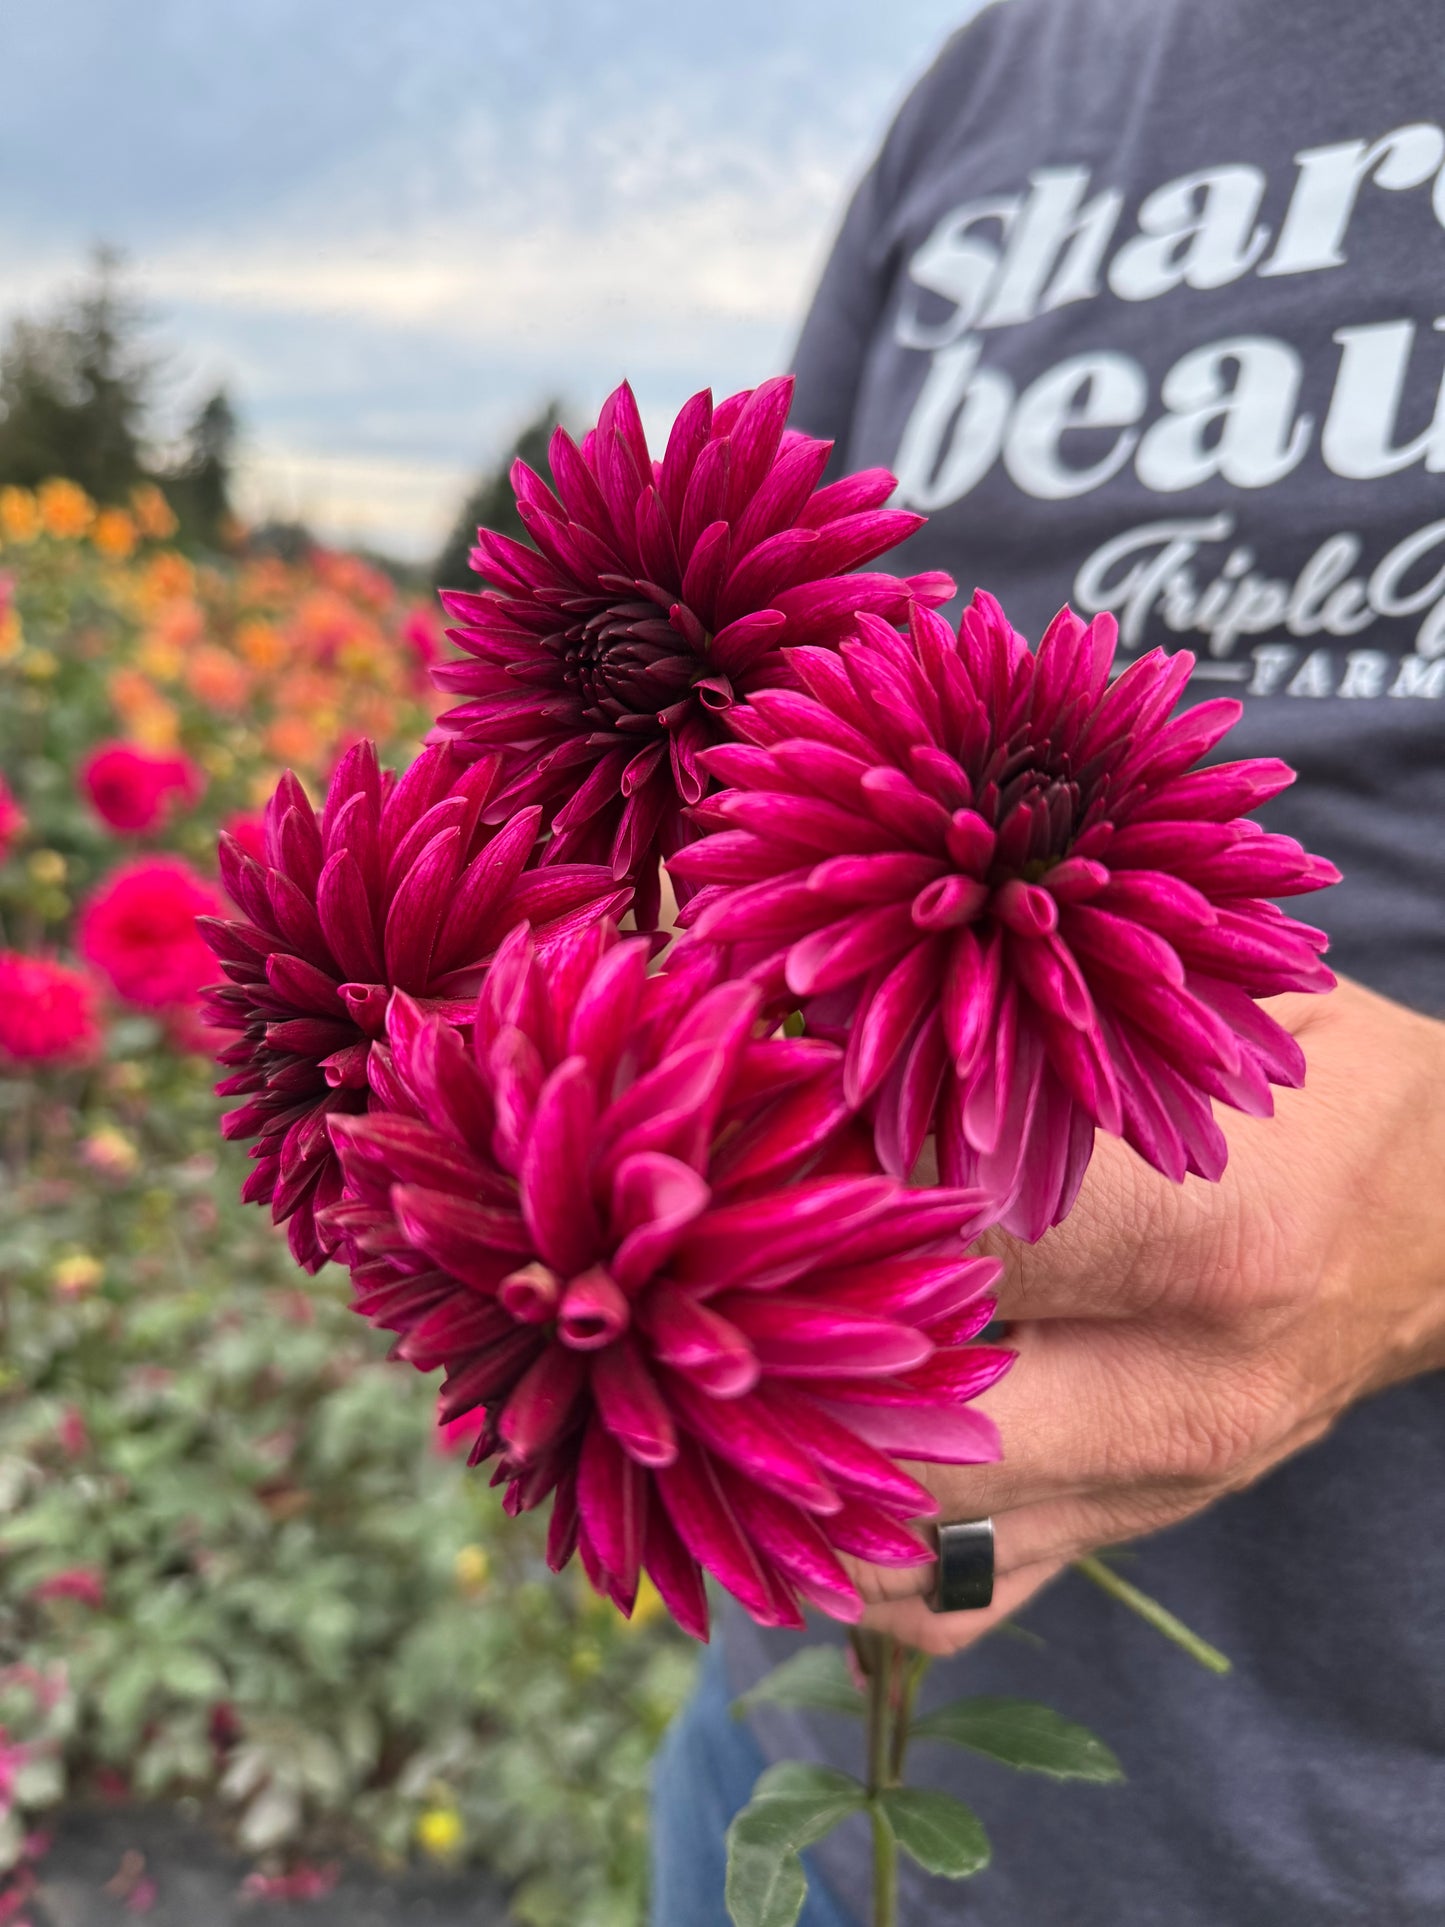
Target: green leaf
(817, 1677)
(793, 1806)
(1022, 1734)
(940, 1833)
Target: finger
(941, 1634)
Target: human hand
(1175, 1342)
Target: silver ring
(963, 1577)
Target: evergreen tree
(199, 487)
(491, 503)
(75, 390)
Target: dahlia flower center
(633, 671)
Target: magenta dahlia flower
(395, 885)
(606, 660)
(670, 1300)
(1006, 882)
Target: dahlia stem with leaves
(652, 1208)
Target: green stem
(1155, 1615)
(915, 1665)
(879, 1653)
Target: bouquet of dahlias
(648, 1201)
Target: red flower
(1002, 880)
(663, 591)
(667, 1299)
(131, 789)
(248, 829)
(85, 1584)
(12, 820)
(47, 1011)
(139, 930)
(397, 882)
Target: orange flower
(19, 516)
(66, 511)
(214, 677)
(114, 534)
(152, 512)
(262, 645)
(149, 718)
(167, 576)
(179, 624)
(292, 739)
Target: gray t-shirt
(1144, 303)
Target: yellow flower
(38, 664)
(77, 1274)
(439, 1832)
(66, 511)
(152, 513)
(216, 760)
(472, 1568)
(648, 1606)
(114, 534)
(19, 516)
(47, 866)
(109, 1151)
(159, 657)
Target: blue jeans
(703, 1775)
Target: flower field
(234, 1562)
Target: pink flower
(1004, 882)
(249, 830)
(47, 1011)
(84, 1584)
(303, 1882)
(397, 883)
(606, 664)
(72, 1433)
(139, 930)
(12, 820)
(132, 789)
(667, 1297)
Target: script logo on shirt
(1226, 410)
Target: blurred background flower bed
(238, 1562)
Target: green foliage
(939, 1832)
(491, 503)
(308, 1615)
(199, 486)
(817, 1677)
(793, 1806)
(1022, 1734)
(308, 1612)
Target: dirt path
(85, 1878)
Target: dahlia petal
(563, 1526)
(1216, 795)
(741, 1432)
(1276, 1051)
(417, 909)
(841, 952)
(887, 1014)
(487, 1375)
(909, 1097)
(516, 1074)
(782, 495)
(630, 1405)
(784, 1138)
(870, 488)
(612, 1501)
(764, 1241)
(480, 890)
(742, 643)
(868, 1533)
(792, 1539)
(469, 1240)
(937, 1434)
(889, 877)
(903, 808)
(346, 918)
(675, 1573)
(557, 1207)
(795, 1337)
(692, 1339)
(703, 512)
(461, 1322)
(302, 986)
(708, 1527)
(754, 438)
(404, 1150)
(654, 1199)
(854, 1466)
(545, 1401)
(948, 902)
(593, 1312)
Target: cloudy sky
(394, 229)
